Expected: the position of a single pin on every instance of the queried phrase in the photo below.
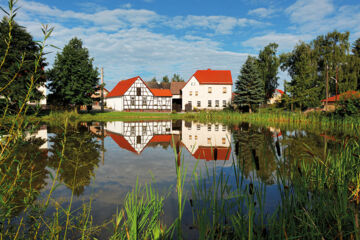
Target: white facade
(206, 96)
(205, 135)
(139, 98)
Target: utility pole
(327, 87)
(102, 90)
(337, 71)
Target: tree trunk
(250, 111)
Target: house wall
(205, 135)
(203, 96)
(115, 103)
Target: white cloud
(304, 11)
(262, 12)
(285, 41)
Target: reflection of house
(207, 141)
(134, 95)
(136, 136)
(207, 89)
(43, 135)
(276, 96)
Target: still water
(104, 160)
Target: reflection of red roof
(122, 142)
(331, 138)
(161, 138)
(122, 87)
(161, 92)
(347, 94)
(213, 76)
(212, 153)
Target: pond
(104, 160)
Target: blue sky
(162, 37)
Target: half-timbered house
(134, 95)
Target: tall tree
(22, 44)
(165, 79)
(356, 48)
(268, 66)
(177, 78)
(249, 85)
(301, 65)
(73, 77)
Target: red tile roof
(161, 138)
(215, 153)
(175, 87)
(122, 142)
(279, 91)
(347, 94)
(122, 87)
(161, 92)
(213, 76)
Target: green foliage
(348, 106)
(17, 72)
(165, 79)
(177, 78)
(249, 85)
(356, 48)
(73, 78)
(269, 66)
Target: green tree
(356, 48)
(177, 78)
(153, 80)
(249, 85)
(268, 66)
(73, 77)
(165, 79)
(22, 54)
(301, 65)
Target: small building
(175, 88)
(207, 89)
(96, 96)
(134, 95)
(278, 93)
(331, 101)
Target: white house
(207, 141)
(276, 96)
(207, 89)
(134, 95)
(136, 136)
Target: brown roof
(175, 87)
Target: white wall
(115, 103)
(203, 95)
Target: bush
(348, 105)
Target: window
(144, 130)
(138, 91)
(209, 90)
(216, 127)
(223, 140)
(209, 140)
(224, 89)
(195, 137)
(132, 130)
(138, 139)
(209, 127)
(198, 104)
(224, 128)
(198, 127)
(144, 101)
(196, 93)
(224, 103)
(190, 137)
(209, 103)
(190, 93)
(132, 101)
(216, 103)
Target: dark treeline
(331, 56)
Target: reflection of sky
(122, 168)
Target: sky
(153, 38)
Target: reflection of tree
(254, 151)
(81, 155)
(24, 174)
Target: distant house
(96, 96)
(331, 101)
(276, 96)
(207, 89)
(175, 88)
(134, 95)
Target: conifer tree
(249, 85)
(73, 77)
